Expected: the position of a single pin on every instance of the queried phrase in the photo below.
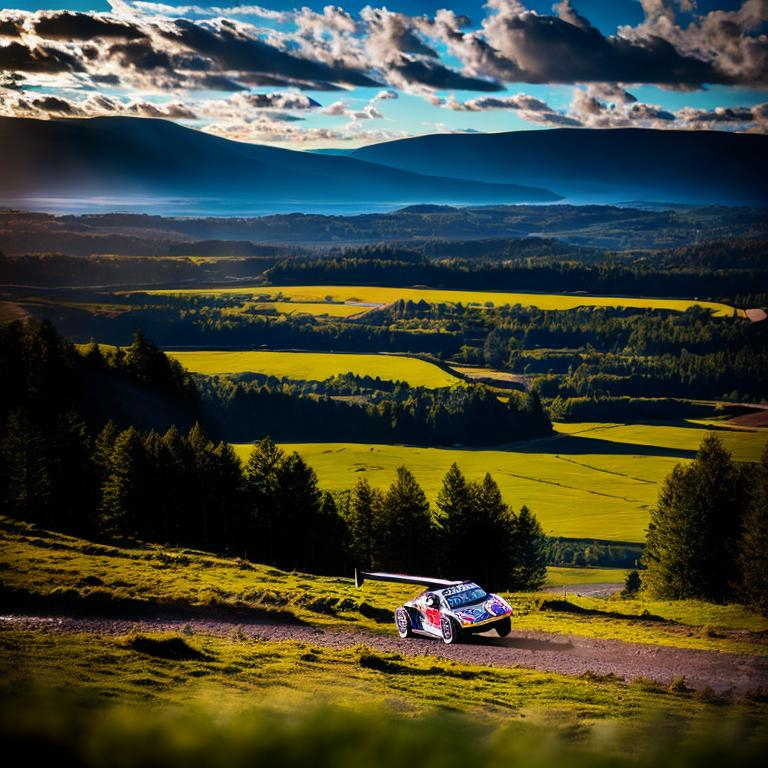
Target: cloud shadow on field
(573, 445)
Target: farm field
(372, 295)
(588, 481)
(317, 366)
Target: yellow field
(370, 295)
(318, 309)
(599, 481)
(316, 366)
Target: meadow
(587, 481)
(65, 571)
(317, 366)
(362, 296)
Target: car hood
(491, 608)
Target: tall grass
(52, 730)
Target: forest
(64, 467)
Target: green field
(370, 295)
(588, 481)
(317, 366)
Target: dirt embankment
(568, 655)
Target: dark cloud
(66, 25)
(219, 83)
(172, 111)
(54, 104)
(434, 75)
(233, 50)
(21, 58)
(140, 54)
(548, 49)
(280, 101)
(11, 26)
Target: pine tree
(693, 535)
(29, 488)
(364, 521)
(409, 539)
(529, 553)
(753, 557)
(495, 530)
(456, 502)
(124, 493)
(260, 485)
(298, 514)
(74, 476)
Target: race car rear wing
(401, 578)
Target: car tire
(504, 627)
(450, 630)
(403, 623)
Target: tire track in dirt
(546, 652)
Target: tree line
(64, 467)
(708, 533)
(186, 490)
(466, 415)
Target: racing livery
(449, 610)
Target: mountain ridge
(121, 156)
(597, 165)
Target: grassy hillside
(588, 481)
(317, 366)
(60, 571)
(379, 296)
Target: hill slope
(119, 156)
(598, 165)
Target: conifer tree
(29, 489)
(693, 535)
(529, 553)
(364, 522)
(409, 538)
(753, 557)
(456, 502)
(123, 497)
(496, 529)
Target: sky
(312, 75)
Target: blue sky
(368, 72)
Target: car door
(431, 615)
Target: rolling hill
(120, 157)
(596, 165)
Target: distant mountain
(119, 157)
(611, 165)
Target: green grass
(288, 676)
(589, 481)
(381, 296)
(65, 570)
(561, 576)
(317, 366)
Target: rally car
(449, 610)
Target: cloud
(244, 65)
(67, 25)
(20, 57)
(280, 101)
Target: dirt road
(569, 655)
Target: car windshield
(468, 596)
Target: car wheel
(450, 630)
(403, 623)
(504, 627)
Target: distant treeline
(184, 489)
(469, 415)
(608, 278)
(55, 270)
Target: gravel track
(562, 654)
